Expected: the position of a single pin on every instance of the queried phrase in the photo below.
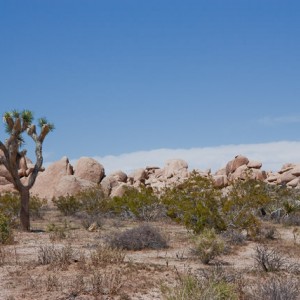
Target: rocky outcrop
(288, 175)
(60, 178)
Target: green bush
(244, 200)
(141, 204)
(208, 245)
(6, 234)
(91, 201)
(195, 203)
(68, 205)
(10, 205)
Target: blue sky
(119, 77)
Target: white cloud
(280, 120)
(272, 155)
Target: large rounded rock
(220, 181)
(71, 185)
(237, 162)
(287, 177)
(47, 181)
(89, 169)
(253, 164)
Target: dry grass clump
(59, 258)
(106, 255)
(210, 285)
(144, 236)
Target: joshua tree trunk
(24, 211)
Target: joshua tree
(16, 124)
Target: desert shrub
(104, 255)
(57, 232)
(292, 219)
(68, 205)
(36, 206)
(269, 259)
(6, 233)
(276, 288)
(268, 232)
(205, 288)
(144, 236)
(91, 201)
(195, 203)
(241, 206)
(10, 205)
(56, 257)
(108, 283)
(235, 237)
(141, 204)
(87, 220)
(208, 246)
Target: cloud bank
(272, 155)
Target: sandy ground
(140, 276)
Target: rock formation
(60, 178)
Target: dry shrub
(268, 232)
(108, 283)
(276, 288)
(105, 255)
(58, 258)
(235, 237)
(268, 259)
(144, 236)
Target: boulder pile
(61, 178)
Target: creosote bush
(91, 202)
(196, 203)
(10, 206)
(208, 246)
(144, 236)
(141, 203)
(240, 207)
